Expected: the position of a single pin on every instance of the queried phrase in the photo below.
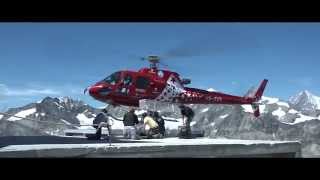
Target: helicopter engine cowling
(185, 81)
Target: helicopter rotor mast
(154, 61)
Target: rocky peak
(306, 102)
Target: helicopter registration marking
(215, 98)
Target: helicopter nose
(99, 90)
(94, 90)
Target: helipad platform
(159, 148)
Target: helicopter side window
(127, 80)
(113, 78)
(142, 83)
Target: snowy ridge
(63, 99)
(262, 108)
(292, 111)
(23, 114)
(247, 108)
(306, 101)
(269, 100)
(283, 104)
(224, 116)
(65, 121)
(302, 118)
(279, 112)
(59, 106)
(1, 116)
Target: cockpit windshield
(113, 78)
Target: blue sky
(61, 59)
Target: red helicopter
(130, 88)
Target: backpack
(98, 119)
(161, 125)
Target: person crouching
(152, 127)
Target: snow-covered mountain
(58, 114)
(306, 102)
(279, 120)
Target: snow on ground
(117, 124)
(205, 110)
(148, 142)
(23, 114)
(171, 118)
(279, 112)
(292, 111)
(269, 99)
(247, 108)
(171, 124)
(283, 104)
(1, 116)
(84, 120)
(86, 127)
(223, 116)
(262, 108)
(42, 114)
(303, 118)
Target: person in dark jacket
(130, 119)
(160, 122)
(187, 116)
(100, 121)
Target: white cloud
(211, 90)
(6, 91)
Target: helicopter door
(142, 86)
(126, 86)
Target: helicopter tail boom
(260, 90)
(257, 96)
